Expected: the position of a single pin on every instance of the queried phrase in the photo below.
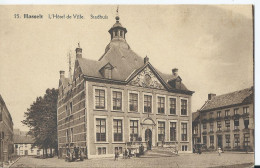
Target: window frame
(138, 99)
(187, 134)
(176, 130)
(227, 142)
(246, 111)
(157, 106)
(138, 127)
(112, 99)
(187, 107)
(236, 143)
(162, 121)
(106, 128)
(148, 94)
(94, 97)
(113, 139)
(169, 105)
(101, 147)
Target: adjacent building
(6, 132)
(226, 121)
(23, 144)
(121, 100)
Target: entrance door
(26, 152)
(148, 138)
(220, 141)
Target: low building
(6, 133)
(226, 121)
(23, 144)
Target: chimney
(146, 60)
(175, 72)
(62, 74)
(78, 52)
(211, 95)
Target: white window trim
(156, 106)
(122, 104)
(149, 94)
(161, 120)
(129, 130)
(123, 137)
(169, 105)
(187, 131)
(138, 108)
(182, 98)
(94, 99)
(171, 121)
(101, 147)
(95, 124)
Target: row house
(226, 121)
(122, 100)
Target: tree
(41, 118)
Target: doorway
(26, 152)
(148, 138)
(220, 144)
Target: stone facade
(6, 132)
(229, 127)
(121, 101)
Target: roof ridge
(232, 92)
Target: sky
(212, 46)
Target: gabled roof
(244, 96)
(22, 139)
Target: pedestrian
(219, 151)
(116, 155)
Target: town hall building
(121, 100)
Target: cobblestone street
(184, 160)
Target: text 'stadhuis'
(120, 100)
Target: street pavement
(239, 160)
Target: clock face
(147, 79)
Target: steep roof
(244, 96)
(21, 139)
(195, 115)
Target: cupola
(117, 30)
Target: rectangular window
(117, 100)
(184, 132)
(236, 124)
(219, 113)
(246, 139)
(119, 149)
(205, 140)
(172, 131)
(227, 113)
(211, 126)
(211, 140)
(147, 103)
(235, 111)
(195, 129)
(161, 131)
(67, 136)
(71, 134)
(246, 123)
(204, 125)
(102, 150)
(219, 125)
(173, 106)
(133, 102)
(184, 147)
(133, 130)
(236, 140)
(67, 110)
(100, 130)
(100, 99)
(211, 115)
(183, 107)
(161, 104)
(118, 130)
(71, 108)
(227, 124)
(245, 110)
(227, 137)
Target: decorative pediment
(146, 78)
